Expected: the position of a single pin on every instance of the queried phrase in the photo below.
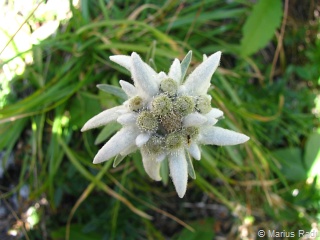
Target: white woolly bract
(118, 143)
(221, 137)
(179, 171)
(102, 118)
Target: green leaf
(191, 172)
(260, 26)
(107, 131)
(185, 64)
(10, 133)
(117, 160)
(291, 163)
(204, 230)
(152, 64)
(312, 154)
(151, 52)
(76, 232)
(164, 172)
(114, 90)
(234, 155)
(89, 106)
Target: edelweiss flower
(165, 116)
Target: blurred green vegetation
(267, 85)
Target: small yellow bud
(184, 105)
(190, 133)
(161, 105)
(135, 103)
(203, 104)
(169, 86)
(146, 121)
(155, 145)
(174, 141)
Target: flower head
(165, 116)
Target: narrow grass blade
(99, 183)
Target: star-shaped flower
(165, 116)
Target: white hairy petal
(175, 71)
(161, 157)
(118, 143)
(214, 113)
(220, 136)
(128, 88)
(102, 118)
(193, 119)
(150, 165)
(162, 76)
(179, 171)
(143, 78)
(127, 118)
(142, 139)
(213, 116)
(129, 150)
(211, 121)
(194, 150)
(126, 62)
(198, 81)
(124, 110)
(182, 90)
(122, 60)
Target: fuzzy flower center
(147, 121)
(163, 118)
(170, 123)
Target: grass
(267, 183)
